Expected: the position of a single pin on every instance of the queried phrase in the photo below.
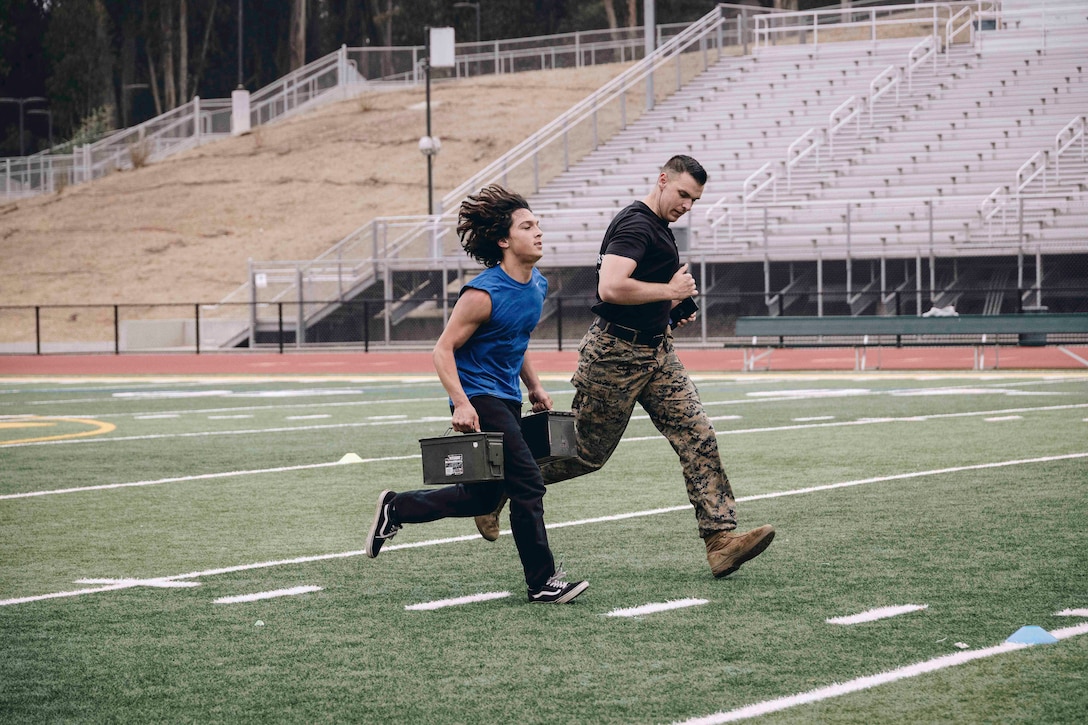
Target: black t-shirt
(639, 234)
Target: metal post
(1038, 278)
(37, 329)
(430, 158)
(366, 326)
(252, 305)
(116, 330)
(883, 281)
(932, 276)
(300, 325)
(649, 41)
(918, 283)
(559, 321)
(196, 331)
(196, 118)
(279, 305)
(703, 278)
(239, 43)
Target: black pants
(523, 484)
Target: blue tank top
(490, 362)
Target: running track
(419, 362)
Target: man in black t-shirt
(627, 357)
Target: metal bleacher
(900, 133)
(807, 161)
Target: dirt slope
(180, 231)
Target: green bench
(1029, 329)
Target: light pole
(22, 102)
(239, 43)
(48, 117)
(477, 6)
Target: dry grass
(181, 230)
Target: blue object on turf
(1032, 635)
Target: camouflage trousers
(612, 376)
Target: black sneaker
(558, 591)
(383, 527)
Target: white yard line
(874, 614)
(656, 607)
(292, 592)
(245, 431)
(870, 681)
(200, 477)
(863, 421)
(456, 601)
(560, 525)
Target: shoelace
(559, 578)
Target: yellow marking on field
(98, 427)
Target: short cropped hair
(485, 220)
(681, 164)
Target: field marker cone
(1032, 635)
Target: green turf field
(140, 520)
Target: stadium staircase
(966, 140)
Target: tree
(296, 33)
(77, 43)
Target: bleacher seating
(914, 169)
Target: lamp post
(240, 43)
(440, 53)
(475, 5)
(22, 102)
(48, 117)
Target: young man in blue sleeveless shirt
(480, 359)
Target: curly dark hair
(485, 220)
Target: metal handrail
(753, 186)
(1075, 132)
(525, 151)
(890, 77)
(807, 143)
(927, 49)
(995, 202)
(765, 35)
(852, 105)
(951, 30)
(1031, 170)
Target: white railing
(298, 88)
(925, 50)
(328, 78)
(811, 27)
(847, 111)
(960, 21)
(995, 203)
(1032, 169)
(1066, 139)
(884, 82)
(806, 145)
(702, 34)
(763, 178)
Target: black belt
(635, 337)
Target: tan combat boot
(727, 550)
(488, 524)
